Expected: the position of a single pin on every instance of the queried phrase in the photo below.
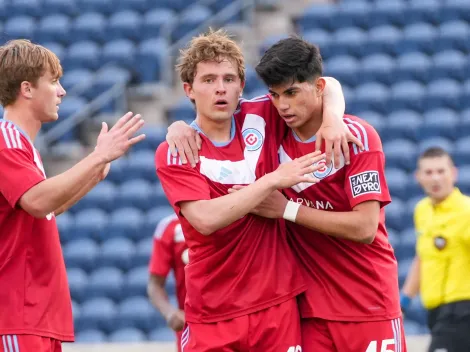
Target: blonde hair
(210, 46)
(21, 60)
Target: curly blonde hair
(21, 60)
(210, 46)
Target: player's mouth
(289, 118)
(221, 103)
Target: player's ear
(188, 89)
(320, 85)
(26, 89)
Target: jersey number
(295, 349)
(385, 343)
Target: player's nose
(61, 92)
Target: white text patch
(364, 183)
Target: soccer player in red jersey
(169, 253)
(35, 304)
(242, 279)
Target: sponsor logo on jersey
(253, 139)
(364, 183)
(317, 204)
(324, 171)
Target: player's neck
(216, 131)
(24, 119)
(310, 128)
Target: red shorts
(29, 343)
(276, 329)
(320, 335)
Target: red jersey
(34, 294)
(248, 265)
(347, 281)
(170, 253)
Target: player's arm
(56, 192)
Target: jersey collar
(451, 201)
(23, 133)
(217, 144)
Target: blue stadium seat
(317, 16)
(97, 313)
(344, 40)
(70, 106)
(125, 222)
(464, 179)
(20, 27)
(450, 64)
(107, 77)
(152, 58)
(156, 22)
(154, 135)
(439, 122)
(183, 110)
(393, 238)
(319, 37)
(138, 312)
(387, 13)
(413, 66)
(78, 281)
(136, 281)
(443, 93)
(416, 311)
(101, 6)
(124, 24)
(378, 68)
(353, 14)
(56, 48)
(436, 142)
(118, 168)
(407, 95)
(162, 335)
(394, 214)
(25, 8)
(374, 119)
(271, 40)
(408, 240)
(83, 54)
(66, 7)
(106, 282)
(414, 189)
(76, 78)
(76, 310)
(143, 251)
(400, 153)
(136, 5)
(370, 96)
(90, 336)
(461, 153)
(117, 252)
(383, 39)
(465, 95)
(102, 197)
(90, 223)
(403, 124)
(141, 165)
(53, 28)
(413, 328)
(81, 253)
(397, 180)
(154, 216)
(344, 68)
(403, 269)
(135, 192)
(90, 26)
(65, 224)
(417, 37)
(120, 52)
(420, 11)
(174, 5)
(456, 10)
(452, 36)
(127, 335)
(252, 81)
(191, 18)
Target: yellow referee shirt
(443, 246)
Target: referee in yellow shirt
(441, 268)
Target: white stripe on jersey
(11, 135)
(15, 343)
(10, 343)
(4, 343)
(356, 126)
(173, 160)
(184, 338)
(163, 224)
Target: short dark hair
(435, 152)
(292, 59)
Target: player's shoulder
(255, 105)
(422, 205)
(11, 138)
(164, 157)
(165, 226)
(364, 131)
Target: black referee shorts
(450, 327)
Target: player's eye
(209, 80)
(291, 93)
(229, 79)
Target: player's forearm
(159, 299)
(50, 194)
(352, 225)
(333, 98)
(208, 216)
(411, 285)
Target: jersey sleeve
(161, 260)
(181, 183)
(19, 173)
(365, 175)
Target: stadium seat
(394, 214)
(408, 240)
(71, 105)
(370, 96)
(136, 280)
(162, 335)
(353, 14)
(156, 22)
(25, 8)
(118, 168)
(393, 238)
(271, 40)
(252, 81)
(406, 95)
(344, 68)
(125, 222)
(76, 310)
(417, 37)
(106, 282)
(20, 27)
(387, 13)
(120, 52)
(174, 5)
(317, 17)
(97, 313)
(154, 216)
(78, 281)
(127, 335)
(83, 54)
(53, 28)
(443, 93)
(348, 41)
(439, 122)
(138, 312)
(90, 26)
(90, 336)
(416, 311)
(403, 124)
(452, 36)
(81, 253)
(102, 6)
(465, 95)
(58, 49)
(374, 119)
(154, 135)
(464, 179)
(413, 66)
(383, 39)
(191, 18)
(117, 252)
(106, 78)
(403, 269)
(397, 180)
(102, 197)
(377, 68)
(65, 224)
(66, 7)
(90, 223)
(143, 251)
(141, 165)
(420, 11)
(461, 154)
(455, 10)
(449, 64)
(183, 110)
(436, 142)
(321, 38)
(124, 24)
(152, 58)
(74, 79)
(136, 5)
(135, 192)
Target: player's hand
(185, 141)
(114, 143)
(297, 171)
(176, 320)
(271, 207)
(336, 135)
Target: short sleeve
(365, 175)
(19, 174)
(161, 260)
(181, 183)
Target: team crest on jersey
(253, 139)
(324, 171)
(440, 242)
